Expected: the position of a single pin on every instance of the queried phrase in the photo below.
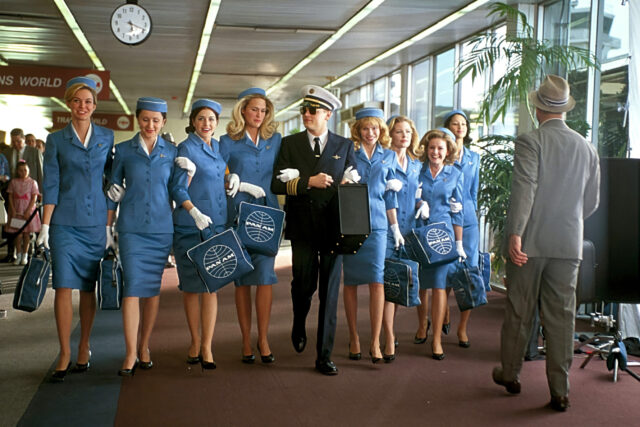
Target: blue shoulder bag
(110, 283)
(33, 281)
(260, 228)
(468, 286)
(432, 244)
(401, 281)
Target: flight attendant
(376, 166)
(441, 182)
(404, 142)
(250, 147)
(74, 220)
(469, 162)
(205, 207)
(145, 165)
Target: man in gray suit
(555, 186)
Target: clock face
(130, 24)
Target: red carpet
(414, 390)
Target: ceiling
(254, 43)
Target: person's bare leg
(423, 314)
(376, 309)
(130, 323)
(87, 315)
(209, 313)
(243, 309)
(350, 296)
(438, 307)
(462, 327)
(191, 303)
(387, 323)
(149, 314)
(264, 298)
(64, 316)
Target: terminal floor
(414, 390)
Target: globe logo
(439, 240)
(391, 283)
(220, 261)
(259, 226)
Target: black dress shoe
(396, 343)
(446, 327)
(82, 367)
(418, 340)
(269, 358)
(207, 365)
(464, 344)
(559, 403)
(248, 359)
(326, 367)
(129, 372)
(193, 360)
(437, 356)
(299, 341)
(374, 359)
(146, 365)
(512, 387)
(388, 358)
(58, 375)
(355, 356)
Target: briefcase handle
(44, 252)
(402, 250)
(207, 233)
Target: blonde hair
(414, 150)
(74, 88)
(236, 127)
(452, 148)
(357, 126)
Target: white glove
(394, 185)
(110, 242)
(116, 192)
(398, 240)
(255, 190)
(351, 175)
(288, 174)
(460, 250)
(43, 237)
(202, 221)
(234, 184)
(186, 164)
(423, 211)
(454, 206)
(419, 192)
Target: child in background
(23, 192)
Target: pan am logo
(391, 283)
(220, 261)
(260, 226)
(439, 241)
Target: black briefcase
(353, 226)
(586, 287)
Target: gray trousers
(552, 283)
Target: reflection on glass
(353, 97)
(472, 94)
(420, 96)
(443, 95)
(615, 30)
(612, 132)
(380, 90)
(395, 93)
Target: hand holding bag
(432, 244)
(401, 282)
(260, 228)
(110, 283)
(33, 281)
(468, 286)
(220, 259)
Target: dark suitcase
(586, 287)
(33, 281)
(354, 220)
(110, 283)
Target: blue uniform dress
(470, 166)
(367, 265)
(437, 192)
(145, 226)
(72, 181)
(206, 192)
(406, 200)
(253, 164)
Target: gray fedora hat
(553, 95)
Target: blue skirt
(184, 238)
(144, 256)
(263, 271)
(75, 255)
(367, 265)
(434, 277)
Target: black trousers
(313, 268)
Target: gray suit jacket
(555, 186)
(33, 157)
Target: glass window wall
(420, 84)
(395, 94)
(443, 87)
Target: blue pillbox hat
(448, 132)
(150, 103)
(208, 103)
(453, 113)
(390, 119)
(82, 80)
(251, 91)
(369, 112)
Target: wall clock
(131, 23)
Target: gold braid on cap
(315, 101)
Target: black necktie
(316, 148)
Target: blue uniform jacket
(470, 166)
(375, 172)
(438, 192)
(406, 197)
(73, 176)
(253, 164)
(151, 181)
(206, 190)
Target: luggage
(220, 259)
(260, 228)
(401, 281)
(33, 281)
(484, 263)
(110, 282)
(586, 287)
(468, 286)
(432, 244)
(354, 222)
